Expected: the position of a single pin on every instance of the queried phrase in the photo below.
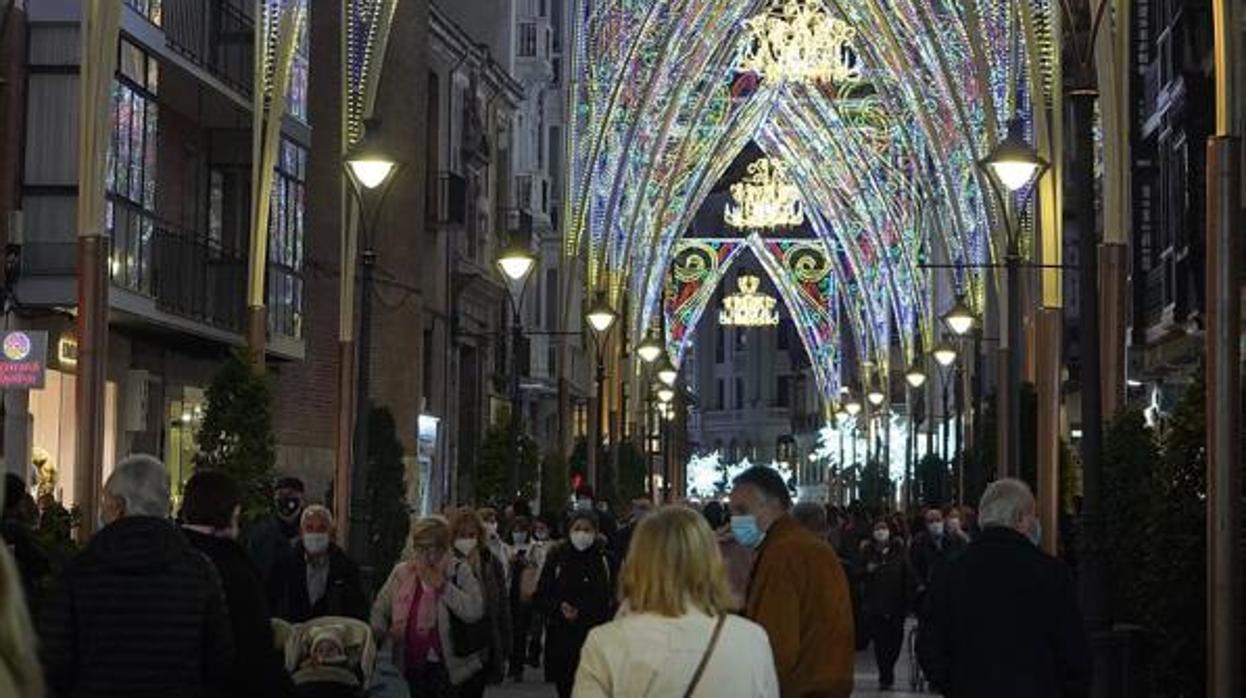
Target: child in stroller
(328, 657)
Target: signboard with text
(23, 359)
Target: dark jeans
(521, 615)
(887, 632)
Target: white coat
(639, 655)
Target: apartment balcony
(518, 223)
(217, 35)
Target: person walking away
(318, 579)
(424, 600)
(17, 532)
(271, 542)
(139, 612)
(675, 634)
(931, 550)
(1002, 619)
(889, 586)
(211, 505)
(797, 591)
(468, 534)
(575, 595)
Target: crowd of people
(753, 596)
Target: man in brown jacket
(797, 592)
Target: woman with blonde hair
(423, 607)
(675, 635)
(469, 536)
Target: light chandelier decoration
(796, 40)
(764, 198)
(748, 307)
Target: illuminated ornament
(796, 40)
(765, 198)
(748, 307)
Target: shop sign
(23, 359)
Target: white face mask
(315, 543)
(582, 540)
(882, 535)
(491, 529)
(541, 534)
(519, 537)
(583, 504)
(935, 528)
(465, 545)
(953, 525)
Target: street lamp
(944, 354)
(600, 318)
(650, 349)
(371, 172)
(515, 263)
(665, 394)
(667, 373)
(960, 318)
(852, 407)
(876, 397)
(915, 376)
(1013, 163)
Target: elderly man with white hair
(1002, 618)
(139, 611)
(318, 579)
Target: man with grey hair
(318, 579)
(139, 611)
(1002, 618)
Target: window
(544, 7)
(150, 9)
(296, 93)
(285, 242)
(739, 393)
(551, 299)
(720, 395)
(720, 346)
(783, 391)
(130, 168)
(527, 40)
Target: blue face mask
(1036, 533)
(746, 531)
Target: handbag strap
(705, 658)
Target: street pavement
(532, 687)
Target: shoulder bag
(705, 658)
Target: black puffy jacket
(139, 613)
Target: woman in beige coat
(675, 635)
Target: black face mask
(288, 507)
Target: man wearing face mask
(271, 541)
(211, 505)
(932, 549)
(1002, 619)
(318, 579)
(797, 590)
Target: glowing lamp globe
(650, 349)
(601, 316)
(944, 354)
(366, 161)
(960, 318)
(1013, 161)
(667, 373)
(915, 376)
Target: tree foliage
(387, 488)
(555, 483)
(497, 453)
(236, 436)
(934, 482)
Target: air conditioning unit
(137, 398)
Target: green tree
(633, 472)
(236, 436)
(877, 489)
(933, 481)
(387, 488)
(1130, 457)
(497, 454)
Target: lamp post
(600, 318)
(915, 377)
(515, 263)
(371, 172)
(961, 319)
(1013, 164)
(649, 349)
(944, 355)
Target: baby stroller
(917, 680)
(329, 657)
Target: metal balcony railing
(195, 278)
(518, 223)
(215, 34)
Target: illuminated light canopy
(944, 354)
(748, 307)
(960, 318)
(796, 40)
(1013, 161)
(764, 198)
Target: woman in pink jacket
(429, 609)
